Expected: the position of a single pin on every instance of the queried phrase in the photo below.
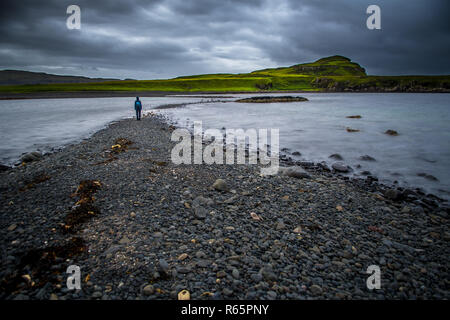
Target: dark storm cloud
(166, 38)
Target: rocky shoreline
(140, 227)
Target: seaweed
(84, 208)
(39, 178)
(40, 266)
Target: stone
(295, 172)
(235, 273)
(200, 212)
(148, 290)
(124, 240)
(184, 295)
(298, 230)
(340, 167)
(30, 157)
(391, 132)
(336, 156)
(12, 227)
(367, 158)
(280, 225)
(391, 194)
(202, 201)
(182, 256)
(220, 185)
(227, 292)
(163, 265)
(315, 289)
(271, 294)
(221, 274)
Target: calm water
(42, 124)
(316, 128)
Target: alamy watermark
(374, 280)
(74, 280)
(374, 20)
(74, 20)
(250, 143)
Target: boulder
(30, 157)
(392, 194)
(340, 167)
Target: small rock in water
(354, 117)
(428, 176)
(391, 132)
(367, 158)
(336, 156)
(220, 185)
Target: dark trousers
(138, 114)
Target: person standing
(138, 108)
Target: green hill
(335, 74)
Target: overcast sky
(168, 38)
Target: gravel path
(151, 229)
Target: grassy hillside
(334, 73)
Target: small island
(272, 99)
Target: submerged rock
(391, 132)
(427, 176)
(367, 158)
(336, 156)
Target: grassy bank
(328, 74)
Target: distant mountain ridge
(18, 77)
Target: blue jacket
(137, 105)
